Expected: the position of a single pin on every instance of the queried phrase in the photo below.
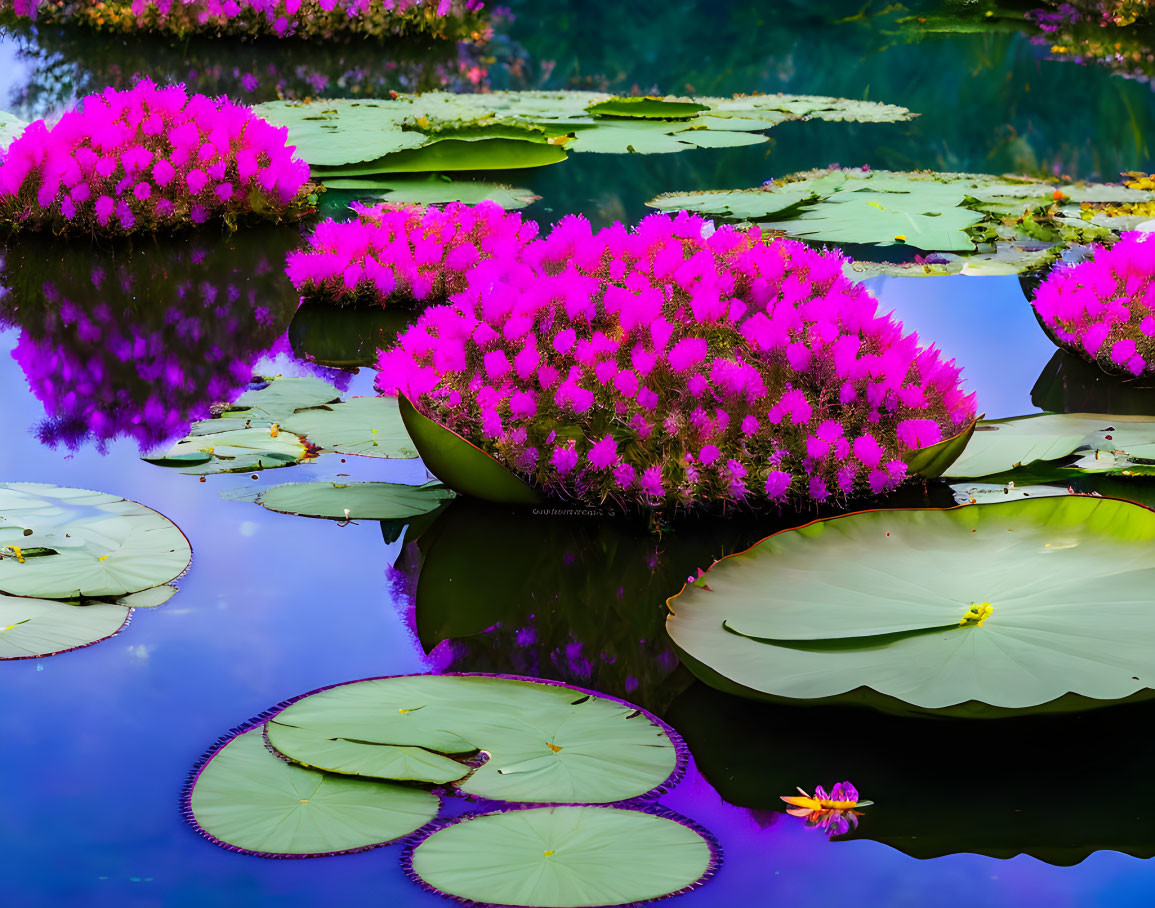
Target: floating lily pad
(370, 426)
(647, 108)
(85, 543)
(556, 857)
(236, 450)
(461, 465)
(31, 628)
(1000, 445)
(10, 127)
(354, 500)
(999, 224)
(247, 800)
(153, 597)
(331, 133)
(440, 131)
(434, 191)
(280, 397)
(1012, 605)
(547, 743)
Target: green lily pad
(153, 597)
(933, 461)
(646, 108)
(31, 628)
(354, 500)
(248, 800)
(10, 127)
(547, 743)
(1001, 445)
(236, 450)
(370, 426)
(978, 223)
(461, 465)
(434, 190)
(440, 131)
(887, 600)
(279, 398)
(333, 133)
(558, 857)
(94, 544)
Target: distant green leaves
(975, 222)
(439, 131)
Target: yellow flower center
(977, 614)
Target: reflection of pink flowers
(146, 158)
(833, 811)
(719, 366)
(1103, 309)
(405, 253)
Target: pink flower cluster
(404, 253)
(308, 18)
(1103, 309)
(148, 158)
(674, 365)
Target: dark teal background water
(96, 744)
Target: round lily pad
(1013, 605)
(83, 543)
(354, 500)
(246, 799)
(237, 449)
(563, 857)
(31, 628)
(546, 743)
(370, 426)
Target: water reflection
(1070, 384)
(138, 340)
(939, 786)
(64, 63)
(346, 336)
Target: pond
(98, 744)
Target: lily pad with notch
(546, 742)
(369, 426)
(83, 544)
(238, 449)
(564, 857)
(1008, 606)
(248, 800)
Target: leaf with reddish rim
(246, 799)
(31, 628)
(546, 742)
(564, 857)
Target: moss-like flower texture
(318, 19)
(145, 159)
(675, 365)
(1103, 309)
(391, 254)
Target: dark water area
(96, 744)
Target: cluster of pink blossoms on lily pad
(404, 254)
(676, 365)
(1103, 309)
(149, 158)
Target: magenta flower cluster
(677, 365)
(148, 158)
(405, 253)
(310, 18)
(1103, 309)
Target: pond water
(96, 744)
